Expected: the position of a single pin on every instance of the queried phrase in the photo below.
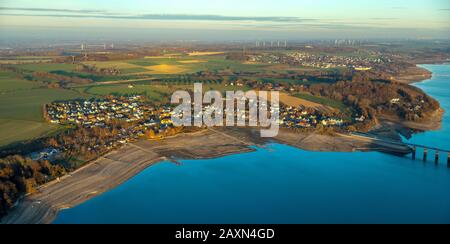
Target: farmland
(296, 102)
(21, 108)
(147, 66)
(10, 82)
(22, 130)
(324, 101)
(155, 92)
(166, 69)
(175, 65)
(26, 59)
(155, 77)
(47, 67)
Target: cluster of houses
(318, 61)
(144, 117)
(415, 107)
(101, 112)
(94, 113)
(299, 117)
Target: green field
(22, 130)
(47, 67)
(27, 104)
(324, 101)
(153, 61)
(199, 63)
(148, 66)
(154, 93)
(21, 113)
(10, 82)
(133, 70)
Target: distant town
(319, 61)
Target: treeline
(20, 175)
(50, 79)
(92, 69)
(55, 79)
(370, 98)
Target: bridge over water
(414, 148)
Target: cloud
(46, 12)
(52, 10)
(216, 18)
(383, 18)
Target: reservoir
(282, 184)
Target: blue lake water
(287, 185)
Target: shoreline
(113, 169)
(413, 75)
(116, 167)
(393, 124)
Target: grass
(47, 67)
(153, 93)
(220, 63)
(153, 61)
(200, 63)
(21, 113)
(95, 77)
(26, 59)
(9, 82)
(22, 130)
(204, 53)
(133, 70)
(111, 64)
(324, 101)
(166, 69)
(27, 104)
(295, 101)
(143, 62)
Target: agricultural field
(149, 66)
(166, 69)
(204, 53)
(123, 66)
(22, 130)
(324, 101)
(48, 67)
(183, 64)
(295, 101)
(154, 77)
(70, 70)
(155, 92)
(26, 59)
(10, 82)
(21, 110)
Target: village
(300, 117)
(318, 61)
(139, 116)
(143, 117)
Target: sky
(229, 19)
